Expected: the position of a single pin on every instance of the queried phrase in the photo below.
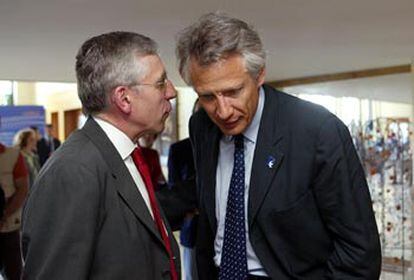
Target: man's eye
(161, 85)
(207, 97)
(233, 92)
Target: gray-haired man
(92, 213)
(282, 194)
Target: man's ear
(121, 99)
(261, 77)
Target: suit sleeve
(60, 222)
(344, 201)
(173, 175)
(177, 201)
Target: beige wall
(57, 98)
(185, 102)
(25, 94)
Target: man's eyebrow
(228, 89)
(205, 93)
(162, 77)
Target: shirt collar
(123, 144)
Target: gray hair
(215, 37)
(107, 61)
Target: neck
(122, 124)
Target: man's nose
(170, 92)
(223, 110)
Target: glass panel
(381, 133)
(6, 93)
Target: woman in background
(26, 141)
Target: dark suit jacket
(85, 218)
(181, 168)
(180, 161)
(43, 149)
(310, 216)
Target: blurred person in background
(14, 183)
(37, 132)
(25, 141)
(47, 144)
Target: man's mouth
(230, 124)
(168, 108)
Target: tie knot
(238, 141)
(137, 155)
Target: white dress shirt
(124, 145)
(223, 177)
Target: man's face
(49, 130)
(32, 142)
(227, 93)
(150, 97)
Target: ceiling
(39, 39)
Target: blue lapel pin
(271, 162)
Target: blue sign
(15, 118)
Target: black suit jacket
(85, 218)
(44, 149)
(181, 168)
(180, 161)
(310, 216)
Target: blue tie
(233, 258)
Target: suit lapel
(124, 182)
(268, 154)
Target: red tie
(143, 169)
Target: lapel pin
(271, 161)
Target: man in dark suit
(181, 168)
(282, 193)
(92, 213)
(47, 145)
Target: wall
(25, 94)
(186, 97)
(57, 97)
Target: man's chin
(156, 129)
(231, 131)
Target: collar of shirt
(252, 130)
(123, 144)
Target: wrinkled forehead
(151, 66)
(224, 73)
